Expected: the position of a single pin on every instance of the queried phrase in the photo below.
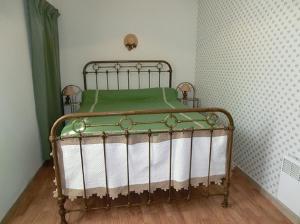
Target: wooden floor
(247, 205)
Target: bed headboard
(129, 74)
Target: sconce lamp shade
(130, 41)
(185, 87)
(71, 90)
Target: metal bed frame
(126, 123)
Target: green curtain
(43, 36)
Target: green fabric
(125, 100)
(43, 35)
(128, 95)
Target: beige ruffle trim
(114, 193)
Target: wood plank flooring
(247, 205)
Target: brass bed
(166, 123)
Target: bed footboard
(175, 124)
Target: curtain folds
(43, 35)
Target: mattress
(138, 146)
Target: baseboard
(12, 210)
(278, 204)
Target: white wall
(19, 139)
(248, 61)
(94, 30)
(55, 3)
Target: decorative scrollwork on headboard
(151, 70)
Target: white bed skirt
(138, 154)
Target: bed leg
(225, 201)
(62, 210)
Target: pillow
(154, 94)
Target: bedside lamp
(70, 94)
(185, 88)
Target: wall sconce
(130, 41)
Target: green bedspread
(125, 100)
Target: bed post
(228, 166)
(61, 199)
(62, 211)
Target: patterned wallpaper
(248, 61)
